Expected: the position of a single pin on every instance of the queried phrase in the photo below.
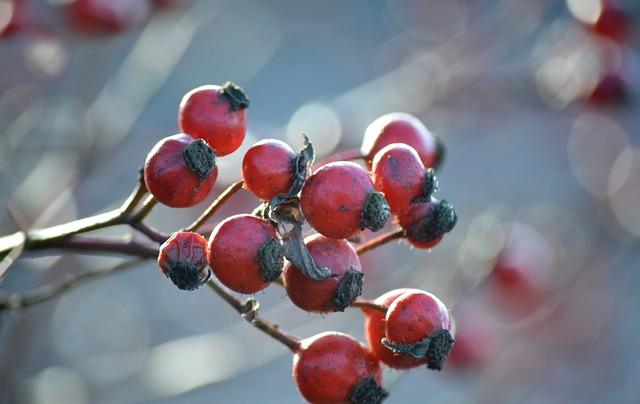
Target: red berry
(399, 127)
(400, 175)
(183, 259)
(267, 168)
(612, 22)
(332, 367)
(109, 15)
(339, 200)
(417, 324)
(245, 253)
(427, 222)
(180, 171)
(334, 293)
(217, 115)
(375, 331)
(610, 89)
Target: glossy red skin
(417, 211)
(205, 113)
(168, 177)
(109, 15)
(399, 127)
(329, 365)
(183, 246)
(399, 174)
(233, 252)
(267, 168)
(414, 316)
(374, 327)
(317, 296)
(333, 197)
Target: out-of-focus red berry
(109, 15)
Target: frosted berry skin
(334, 198)
(235, 253)
(375, 331)
(414, 316)
(426, 222)
(399, 127)
(339, 257)
(267, 168)
(172, 179)
(328, 367)
(216, 114)
(109, 15)
(399, 174)
(183, 259)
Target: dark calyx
(235, 94)
(186, 276)
(349, 288)
(440, 220)
(375, 212)
(271, 260)
(434, 348)
(200, 158)
(367, 391)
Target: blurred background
(537, 103)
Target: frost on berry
(375, 212)
(236, 96)
(367, 391)
(434, 348)
(439, 221)
(271, 260)
(349, 288)
(200, 158)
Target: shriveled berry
(334, 293)
(427, 222)
(183, 259)
(375, 331)
(245, 253)
(217, 115)
(333, 367)
(267, 168)
(109, 15)
(399, 127)
(417, 325)
(336, 201)
(399, 174)
(180, 171)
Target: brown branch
(86, 244)
(215, 205)
(249, 312)
(368, 304)
(48, 291)
(147, 207)
(380, 240)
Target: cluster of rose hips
(321, 273)
(91, 15)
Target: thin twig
(50, 290)
(368, 304)
(380, 240)
(146, 208)
(134, 199)
(215, 205)
(152, 233)
(249, 312)
(86, 244)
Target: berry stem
(346, 155)
(215, 205)
(86, 244)
(249, 311)
(146, 208)
(368, 304)
(151, 233)
(380, 240)
(50, 290)
(136, 196)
